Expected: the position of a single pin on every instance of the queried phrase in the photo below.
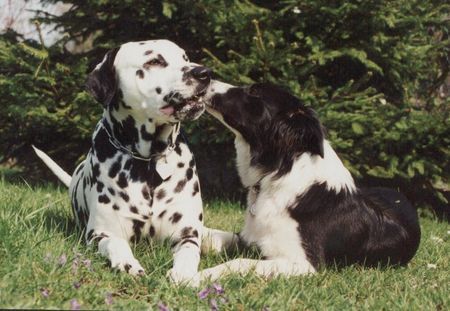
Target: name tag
(164, 168)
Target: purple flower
(62, 260)
(74, 305)
(163, 307)
(76, 285)
(218, 288)
(45, 292)
(87, 263)
(204, 293)
(213, 305)
(109, 299)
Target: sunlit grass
(37, 231)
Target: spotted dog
(304, 210)
(139, 178)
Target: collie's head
(274, 123)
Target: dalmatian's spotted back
(139, 178)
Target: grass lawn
(44, 264)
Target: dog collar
(116, 144)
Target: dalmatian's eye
(155, 61)
(159, 61)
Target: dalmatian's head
(153, 79)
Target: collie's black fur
(375, 226)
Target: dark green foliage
(370, 68)
(43, 102)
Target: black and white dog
(304, 210)
(139, 178)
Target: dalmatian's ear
(102, 82)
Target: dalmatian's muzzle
(192, 107)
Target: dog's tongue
(168, 110)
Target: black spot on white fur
(122, 182)
(124, 196)
(180, 186)
(189, 173)
(115, 168)
(102, 147)
(178, 149)
(160, 194)
(137, 228)
(145, 192)
(196, 188)
(104, 199)
(100, 186)
(152, 231)
(175, 217)
(146, 135)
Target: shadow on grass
(53, 219)
(58, 220)
(16, 176)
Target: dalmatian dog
(139, 178)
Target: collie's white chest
(273, 230)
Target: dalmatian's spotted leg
(117, 250)
(214, 240)
(186, 254)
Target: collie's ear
(298, 131)
(101, 82)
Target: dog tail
(55, 168)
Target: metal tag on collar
(174, 135)
(163, 167)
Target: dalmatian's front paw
(130, 266)
(188, 279)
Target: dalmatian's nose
(202, 74)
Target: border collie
(304, 210)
